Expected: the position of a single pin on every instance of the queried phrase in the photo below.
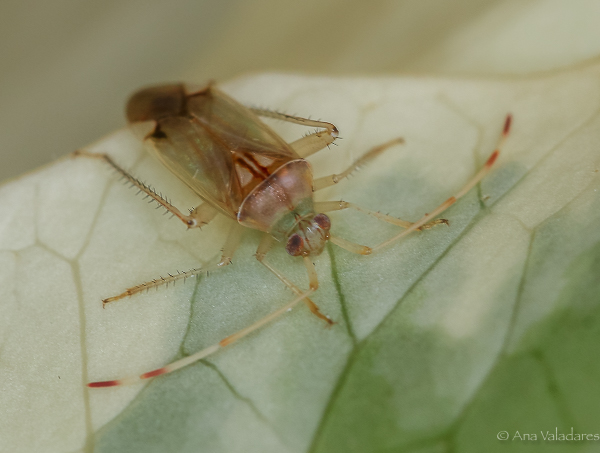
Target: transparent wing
(219, 148)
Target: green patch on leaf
(442, 342)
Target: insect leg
(263, 248)
(310, 144)
(203, 214)
(231, 244)
(363, 250)
(327, 181)
(191, 221)
(328, 206)
(207, 351)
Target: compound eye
(323, 221)
(294, 245)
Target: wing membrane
(219, 148)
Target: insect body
(238, 165)
(243, 170)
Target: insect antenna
(206, 351)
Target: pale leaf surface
(440, 342)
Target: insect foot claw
(430, 225)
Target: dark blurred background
(67, 66)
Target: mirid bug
(243, 170)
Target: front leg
(328, 206)
(263, 248)
(427, 218)
(328, 181)
(311, 143)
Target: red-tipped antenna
(450, 201)
(507, 124)
(206, 351)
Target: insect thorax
(281, 201)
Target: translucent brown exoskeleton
(243, 170)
